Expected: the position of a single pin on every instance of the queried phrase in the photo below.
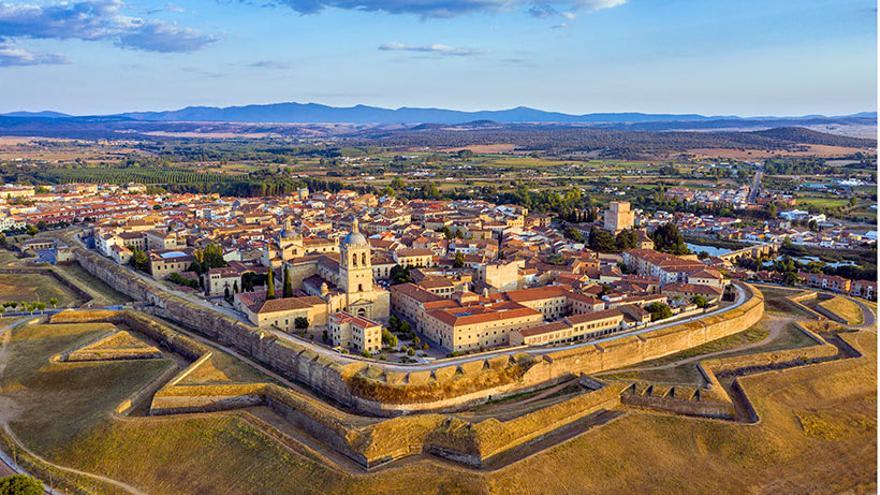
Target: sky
(713, 57)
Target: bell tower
(355, 266)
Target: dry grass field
(101, 293)
(816, 435)
(844, 308)
(32, 287)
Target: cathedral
(344, 280)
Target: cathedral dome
(355, 238)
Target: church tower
(290, 243)
(355, 266)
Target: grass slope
(844, 308)
(32, 287)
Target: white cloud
(94, 20)
(11, 55)
(435, 48)
(600, 4)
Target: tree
(301, 323)
(394, 323)
(139, 260)
(388, 338)
(790, 279)
(659, 311)
(20, 484)
(446, 231)
(574, 234)
(270, 285)
(53, 301)
(602, 241)
(400, 275)
(700, 301)
(458, 262)
(32, 230)
(287, 289)
(205, 259)
(668, 239)
(626, 239)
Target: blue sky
(744, 57)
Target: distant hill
(315, 113)
(808, 136)
(363, 114)
(44, 114)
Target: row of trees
(29, 306)
(287, 286)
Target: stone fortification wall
(382, 390)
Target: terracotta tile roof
(471, 315)
(537, 293)
(415, 292)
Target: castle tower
(355, 267)
(618, 216)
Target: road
(755, 188)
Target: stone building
(618, 216)
(355, 333)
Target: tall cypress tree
(288, 287)
(270, 284)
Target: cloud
(11, 55)
(423, 8)
(162, 37)
(542, 10)
(445, 8)
(595, 5)
(269, 64)
(96, 20)
(437, 49)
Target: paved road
(755, 188)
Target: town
(438, 248)
(417, 280)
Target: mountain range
(310, 113)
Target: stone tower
(355, 267)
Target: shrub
(20, 484)
(388, 338)
(659, 311)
